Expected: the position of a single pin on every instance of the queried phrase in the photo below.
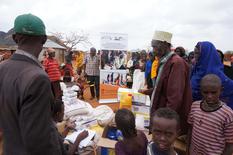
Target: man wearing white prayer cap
(172, 86)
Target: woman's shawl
(209, 63)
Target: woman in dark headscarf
(208, 62)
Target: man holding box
(172, 86)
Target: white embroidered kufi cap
(162, 36)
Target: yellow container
(126, 100)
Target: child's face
(211, 93)
(164, 132)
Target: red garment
(56, 88)
(52, 68)
(68, 68)
(173, 90)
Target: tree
(72, 39)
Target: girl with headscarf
(208, 62)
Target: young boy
(165, 129)
(58, 114)
(211, 120)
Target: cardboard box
(106, 145)
(137, 98)
(103, 140)
(144, 111)
(141, 109)
(109, 143)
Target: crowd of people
(190, 95)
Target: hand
(75, 77)
(82, 135)
(142, 91)
(70, 125)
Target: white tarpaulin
(114, 41)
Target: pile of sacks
(82, 112)
(74, 106)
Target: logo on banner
(114, 41)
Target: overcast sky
(190, 21)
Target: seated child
(134, 142)
(80, 82)
(58, 114)
(67, 72)
(165, 129)
(211, 120)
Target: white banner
(114, 41)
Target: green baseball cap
(29, 24)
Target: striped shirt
(211, 130)
(92, 65)
(52, 68)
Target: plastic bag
(138, 79)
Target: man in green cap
(26, 98)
